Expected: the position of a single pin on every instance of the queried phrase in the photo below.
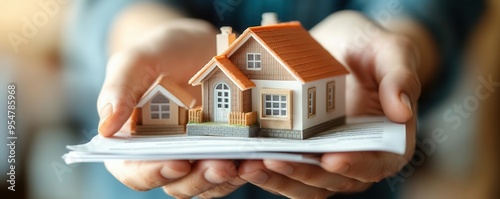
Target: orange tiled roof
(302, 55)
(240, 79)
(181, 94)
(289, 42)
(228, 68)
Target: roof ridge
(278, 25)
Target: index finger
(128, 76)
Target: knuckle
(321, 195)
(363, 187)
(172, 192)
(308, 177)
(218, 191)
(378, 176)
(199, 187)
(205, 196)
(360, 187)
(335, 166)
(208, 195)
(399, 40)
(114, 60)
(403, 160)
(280, 187)
(130, 96)
(399, 43)
(128, 180)
(150, 181)
(345, 186)
(131, 183)
(413, 82)
(348, 185)
(416, 84)
(119, 58)
(386, 170)
(317, 195)
(139, 180)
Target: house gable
(215, 77)
(170, 90)
(159, 89)
(270, 69)
(173, 116)
(228, 68)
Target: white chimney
(224, 39)
(269, 18)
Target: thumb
(398, 93)
(399, 86)
(128, 75)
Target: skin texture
(383, 81)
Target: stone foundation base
(226, 130)
(159, 130)
(221, 129)
(302, 134)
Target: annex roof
(228, 68)
(169, 89)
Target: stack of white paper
(359, 134)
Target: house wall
(174, 115)
(271, 69)
(136, 118)
(215, 77)
(322, 115)
(183, 116)
(247, 100)
(297, 99)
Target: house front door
(221, 102)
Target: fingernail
(104, 114)
(169, 173)
(214, 177)
(406, 100)
(257, 177)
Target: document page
(359, 134)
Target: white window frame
(161, 106)
(287, 102)
(275, 121)
(269, 102)
(330, 96)
(311, 102)
(254, 61)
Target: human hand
(177, 48)
(179, 178)
(383, 81)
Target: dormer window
(254, 61)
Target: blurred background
(463, 165)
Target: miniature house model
(274, 80)
(162, 109)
